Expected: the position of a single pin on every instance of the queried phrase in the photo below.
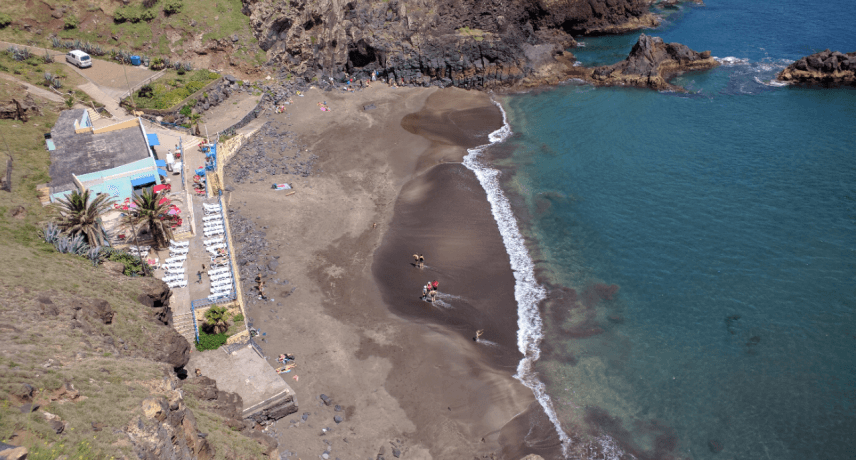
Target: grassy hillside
(190, 27)
(91, 375)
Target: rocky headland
(650, 64)
(827, 68)
(467, 44)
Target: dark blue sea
(688, 284)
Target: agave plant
(56, 42)
(77, 43)
(47, 58)
(56, 83)
(51, 233)
(94, 255)
(48, 76)
(72, 245)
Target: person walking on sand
(199, 276)
(434, 285)
(421, 261)
(424, 292)
(432, 296)
(479, 333)
(416, 260)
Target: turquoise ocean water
(697, 251)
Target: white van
(78, 58)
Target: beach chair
(179, 244)
(218, 271)
(210, 233)
(216, 223)
(211, 217)
(215, 247)
(222, 282)
(213, 241)
(176, 259)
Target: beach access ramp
(240, 369)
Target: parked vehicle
(78, 58)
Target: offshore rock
(464, 43)
(826, 68)
(650, 64)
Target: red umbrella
(158, 188)
(163, 201)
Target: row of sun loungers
(174, 266)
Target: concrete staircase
(183, 323)
(93, 115)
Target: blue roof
(160, 162)
(143, 181)
(162, 172)
(153, 139)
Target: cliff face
(826, 68)
(465, 43)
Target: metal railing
(141, 84)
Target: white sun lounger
(177, 284)
(210, 233)
(213, 241)
(218, 271)
(179, 244)
(211, 217)
(176, 259)
(221, 282)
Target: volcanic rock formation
(465, 43)
(826, 68)
(650, 64)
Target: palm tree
(216, 320)
(152, 212)
(77, 215)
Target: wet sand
(404, 371)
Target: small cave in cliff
(361, 54)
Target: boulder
(155, 408)
(826, 68)
(19, 108)
(97, 309)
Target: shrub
(238, 318)
(126, 14)
(71, 22)
(210, 341)
(186, 110)
(131, 263)
(148, 15)
(149, 3)
(146, 91)
(5, 20)
(172, 6)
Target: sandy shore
(407, 374)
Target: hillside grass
(48, 351)
(163, 36)
(172, 88)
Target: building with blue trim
(117, 160)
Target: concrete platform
(265, 394)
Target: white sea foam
(773, 83)
(730, 60)
(527, 292)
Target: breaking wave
(527, 292)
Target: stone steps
(93, 115)
(183, 324)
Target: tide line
(527, 292)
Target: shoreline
(390, 373)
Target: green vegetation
(216, 320)
(171, 89)
(210, 341)
(76, 215)
(172, 6)
(151, 213)
(238, 318)
(136, 28)
(59, 360)
(476, 34)
(132, 263)
(71, 22)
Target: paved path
(229, 112)
(35, 90)
(111, 104)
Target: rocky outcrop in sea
(650, 64)
(827, 68)
(469, 43)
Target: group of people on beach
(429, 291)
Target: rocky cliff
(650, 64)
(826, 68)
(465, 43)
